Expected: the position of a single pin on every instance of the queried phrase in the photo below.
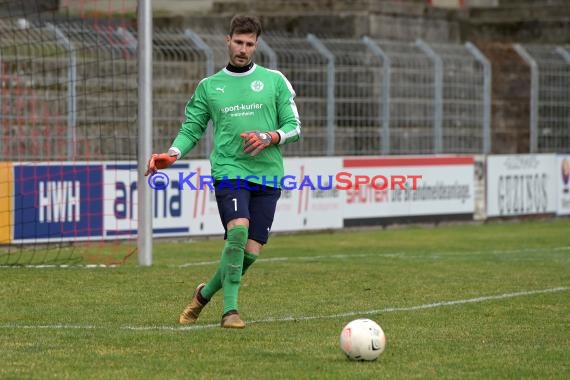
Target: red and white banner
(310, 200)
(444, 185)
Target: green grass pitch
(472, 301)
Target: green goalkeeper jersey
(256, 100)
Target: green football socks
(215, 282)
(231, 265)
(248, 260)
(213, 285)
(229, 272)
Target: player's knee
(237, 237)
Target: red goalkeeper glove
(255, 142)
(160, 161)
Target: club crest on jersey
(257, 85)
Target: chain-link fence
(68, 91)
(355, 96)
(105, 90)
(377, 97)
(465, 99)
(34, 111)
(307, 70)
(178, 66)
(411, 100)
(549, 97)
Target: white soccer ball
(362, 339)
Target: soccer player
(253, 112)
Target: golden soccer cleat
(192, 310)
(231, 320)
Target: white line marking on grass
(308, 258)
(433, 305)
(59, 266)
(401, 255)
(361, 313)
(49, 327)
(389, 255)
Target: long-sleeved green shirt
(256, 100)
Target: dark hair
(245, 24)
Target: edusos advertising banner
(381, 189)
(521, 184)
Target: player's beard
(238, 59)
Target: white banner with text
(521, 184)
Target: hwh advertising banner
(563, 180)
(521, 184)
(57, 201)
(407, 187)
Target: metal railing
(549, 97)
(69, 92)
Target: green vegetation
(121, 323)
